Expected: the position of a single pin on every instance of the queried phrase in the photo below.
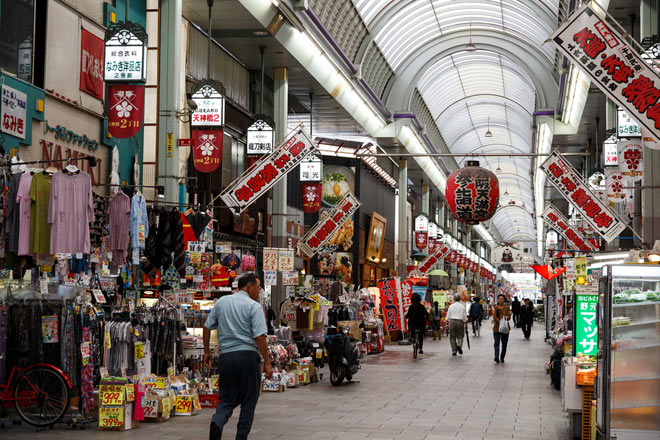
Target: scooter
(343, 355)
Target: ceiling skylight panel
(369, 9)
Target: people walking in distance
(436, 317)
(501, 316)
(457, 317)
(527, 317)
(475, 315)
(515, 309)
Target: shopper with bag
(457, 317)
(501, 327)
(526, 318)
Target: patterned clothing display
(179, 247)
(24, 201)
(139, 222)
(99, 225)
(119, 214)
(70, 212)
(87, 375)
(39, 226)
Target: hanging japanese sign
(125, 110)
(13, 111)
(615, 186)
(649, 141)
(265, 173)
(91, 64)
(209, 96)
(616, 68)
(431, 260)
(310, 169)
(259, 138)
(390, 292)
(472, 193)
(125, 53)
(421, 231)
(286, 257)
(556, 220)
(406, 302)
(325, 228)
(207, 149)
(586, 327)
(433, 235)
(271, 256)
(311, 196)
(610, 152)
(567, 180)
(630, 160)
(627, 127)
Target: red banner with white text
(207, 149)
(125, 110)
(91, 64)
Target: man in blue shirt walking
(242, 336)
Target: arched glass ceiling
(469, 93)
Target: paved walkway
(435, 397)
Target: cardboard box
(272, 386)
(157, 408)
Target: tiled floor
(435, 397)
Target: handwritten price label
(112, 395)
(139, 350)
(196, 404)
(111, 417)
(161, 382)
(183, 405)
(149, 382)
(130, 392)
(270, 259)
(215, 382)
(151, 408)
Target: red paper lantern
(311, 196)
(472, 193)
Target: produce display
(620, 321)
(635, 296)
(585, 359)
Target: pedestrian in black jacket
(417, 317)
(515, 311)
(527, 317)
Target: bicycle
(41, 394)
(415, 343)
(476, 327)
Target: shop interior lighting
(654, 257)
(489, 134)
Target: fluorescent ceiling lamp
(610, 256)
(604, 263)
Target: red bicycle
(41, 394)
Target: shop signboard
(325, 228)
(586, 326)
(286, 259)
(405, 302)
(290, 278)
(430, 261)
(421, 231)
(265, 173)
(125, 53)
(91, 64)
(627, 127)
(581, 270)
(615, 186)
(310, 169)
(556, 220)
(207, 149)
(271, 256)
(13, 112)
(630, 160)
(616, 68)
(390, 292)
(566, 179)
(259, 138)
(611, 152)
(210, 100)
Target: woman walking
(436, 315)
(502, 311)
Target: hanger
(71, 168)
(51, 170)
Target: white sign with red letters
(13, 112)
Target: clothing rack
(90, 159)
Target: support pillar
(169, 94)
(649, 11)
(279, 206)
(426, 200)
(453, 225)
(402, 220)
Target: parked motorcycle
(343, 355)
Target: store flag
(125, 110)
(390, 293)
(615, 186)
(547, 272)
(568, 181)
(265, 173)
(598, 50)
(91, 64)
(207, 149)
(630, 160)
(311, 196)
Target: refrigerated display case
(628, 373)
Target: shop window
(21, 42)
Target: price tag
(85, 351)
(43, 286)
(161, 382)
(183, 405)
(98, 296)
(149, 382)
(151, 408)
(111, 416)
(215, 382)
(196, 404)
(111, 395)
(167, 406)
(195, 258)
(130, 392)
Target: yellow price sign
(139, 350)
(167, 406)
(111, 416)
(183, 405)
(130, 392)
(161, 382)
(196, 404)
(215, 382)
(112, 395)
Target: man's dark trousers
(240, 380)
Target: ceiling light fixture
(470, 47)
(498, 169)
(488, 134)
(260, 33)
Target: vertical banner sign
(610, 152)
(421, 231)
(556, 220)
(125, 109)
(586, 327)
(207, 149)
(286, 260)
(265, 173)
(406, 302)
(615, 186)
(325, 228)
(630, 160)
(616, 68)
(433, 236)
(390, 291)
(567, 180)
(91, 64)
(271, 256)
(311, 196)
(581, 270)
(432, 259)
(13, 112)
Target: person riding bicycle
(476, 314)
(417, 317)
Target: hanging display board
(265, 173)
(612, 65)
(325, 228)
(390, 292)
(259, 138)
(556, 220)
(566, 179)
(125, 53)
(586, 326)
(271, 256)
(430, 261)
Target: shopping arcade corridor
(436, 397)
